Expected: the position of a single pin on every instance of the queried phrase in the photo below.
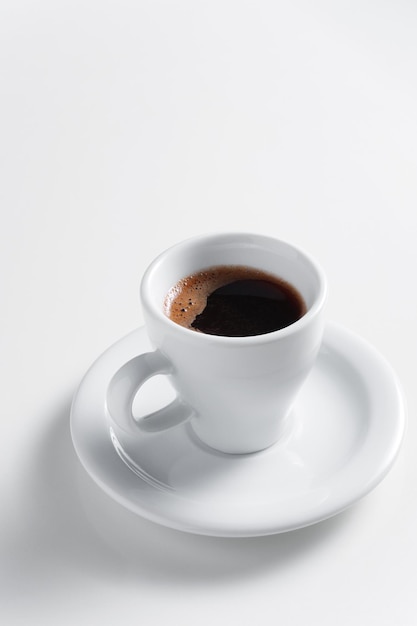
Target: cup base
(282, 433)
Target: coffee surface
(233, 301)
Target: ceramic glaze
(346, 429)
(222, 381)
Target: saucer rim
(109, 480)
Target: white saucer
(346, 431)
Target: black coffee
(233, 301)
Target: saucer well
(343, 437)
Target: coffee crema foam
(188, 298)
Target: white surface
(125, 127)
(341, 439)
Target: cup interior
(265, 253)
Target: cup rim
(157, 312)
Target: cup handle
(126, 383)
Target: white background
(125, 127)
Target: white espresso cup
(236, 392)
